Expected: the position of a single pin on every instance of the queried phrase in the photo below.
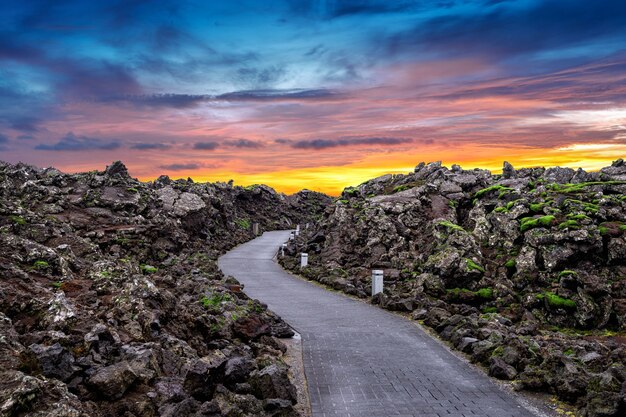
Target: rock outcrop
(524, 271)
(111, 303)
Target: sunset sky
(311, 94)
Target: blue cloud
(206, 146)
(71, 142)
(277, 95)
(150, 146)
(342, 142)
(181, 166)
(243, 143)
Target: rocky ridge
(525, 272)
(111, 303)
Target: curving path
(360, 360)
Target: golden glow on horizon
(333, 179)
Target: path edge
(294, 357)
(536, 406)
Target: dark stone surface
(359, 359)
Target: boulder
(508, 171)
(498, 368)
(238, 369)
(117, 169)
(273, 382)
(112, 381)
(55, 361)
(204, 374)
(251, 327)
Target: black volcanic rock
(117, 168)
(111, 302)
(524, 271)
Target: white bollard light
(291, 235)
(304, 260)
(377, 281)
(282, 249)
(297, 228)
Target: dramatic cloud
(367, 85)
(181, 166)
(218, 142)
(514, 29)
(150, 146)
(206, 146)
(71, 142)
(186, 101)
(177, 101)
(25, 124)
(243, 143)
(278, 95)
(334, 143)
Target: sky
(318, 94)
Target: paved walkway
(359, 359)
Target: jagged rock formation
(524, 271)
(111, 303)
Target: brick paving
(362, 361)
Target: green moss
(455, 293)
(501, 209)
(450, 225)
(243, 223)
(122, 241)
(132, 190)
(57, 284)
(499, 351)
(510, 263)
(567, 273)
(19, 220)
(148, 269)
(537, 207)
(528, 223)
(486, 293)
(569, 224)
(453, 204)
(559, 302)
(578, 217)
(590, 208)
(343, 201)
(580, 187)
(473, 266)
(568, 352)
(497, 187)
(251, 187)
(41, 264)
(488, 310)
(603, 230)
(510, 204)
(546, 220)
(400, 188)
(215, 300)
(351, 191)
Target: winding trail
(360, 360)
